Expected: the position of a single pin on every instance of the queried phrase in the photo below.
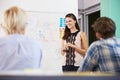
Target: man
(103, 55)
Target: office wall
(44, 25)
(83, 4)
(110, 8)
(62, 6)
(89, 3)
(80, 4)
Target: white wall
(88, 3)
(80, 4)
(48, 13)
(63, 6)
(83, 4)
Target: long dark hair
(67, 30)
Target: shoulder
(82, 33)
(33, 41)
(5, 39)
(93, 49)
(95, 45)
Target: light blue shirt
(18, 52)
(103, 55)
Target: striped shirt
(103, 55)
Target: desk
(56, 76)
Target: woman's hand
(71, 45)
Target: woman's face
(70, 22)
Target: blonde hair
(14, 20)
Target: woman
(74, 44)
(18, 52)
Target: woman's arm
(84, 44)
(63, 49)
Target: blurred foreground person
(103, 55)
(17, 51)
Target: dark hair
(105, 26)
(67, 30)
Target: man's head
(104, 27)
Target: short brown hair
(105, 26)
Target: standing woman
(74, 44)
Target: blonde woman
(74, 44)
(17, 51)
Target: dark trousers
(71, 68)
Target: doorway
(91, 18)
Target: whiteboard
(45, 27)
